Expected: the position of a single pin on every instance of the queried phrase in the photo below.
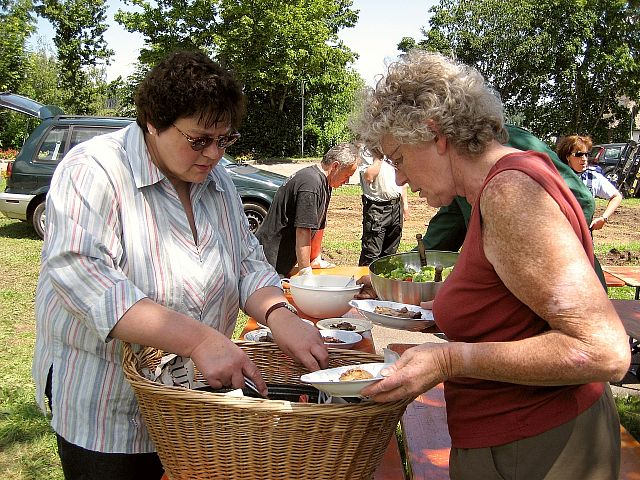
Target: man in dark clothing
(448, 227)
(299, 209)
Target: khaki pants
(586, 448)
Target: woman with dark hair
(574, 151)
(534, 337)
(147, 243)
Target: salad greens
(409, 274)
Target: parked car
(30, 174)
(607, 157)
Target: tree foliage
(168, 25)
(16, 24)
(272, 46)
(560, 66)
(79, 39)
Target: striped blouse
(117, 233)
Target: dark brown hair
(188, 83)
(565, 145)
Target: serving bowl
(323, 296)
(347, 339)
(402, 291)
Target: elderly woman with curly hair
(147, 243)
(574, 151)
(534, 338)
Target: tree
(559, 65)
(16, 25)
(169, 26)
(272, 46)
(79, 27)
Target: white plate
(362, 325)
(256, 335)
(328, 380)
(349, 339)
(367, 307)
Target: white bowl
(367, 309)
(323, 296)
(329, 382)
(349, 339)
(360, 325)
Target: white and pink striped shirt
(117, 233)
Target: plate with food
(396, 315)
(345, 381)
(357, 325)
(260, 335)
(337, 338)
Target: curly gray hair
(424, 86)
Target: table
(629, 274)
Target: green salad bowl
(404, 291)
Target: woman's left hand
(419, 369)
(597, 223)
(299, 340)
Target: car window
(81, 134)
(612, 153)
(52, 147)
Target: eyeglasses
(394, 163)
(579, 154)
(200, 143)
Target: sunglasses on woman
(200, 143)
(580, 154)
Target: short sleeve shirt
(301, 202)
(598, 184)
(384, 186)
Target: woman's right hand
(224, 364)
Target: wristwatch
(275, 306)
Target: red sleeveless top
(474, 305)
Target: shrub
(9, 154)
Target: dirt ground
(345, 218)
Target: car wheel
(39, 218)
(612, 175)
(255, 214)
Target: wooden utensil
(421, 250)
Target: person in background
(147, 243)
(384, 208)
(533, 336)
(573, 150)
(299, 210)
(448, 227)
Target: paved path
(288, 169)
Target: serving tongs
(423, 259)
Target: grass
(27, 444)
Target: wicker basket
(202, 435)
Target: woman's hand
(367, 291)
(223, 363)
(419, 369)
(597, 223)
(298, 339)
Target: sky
(381, 26)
